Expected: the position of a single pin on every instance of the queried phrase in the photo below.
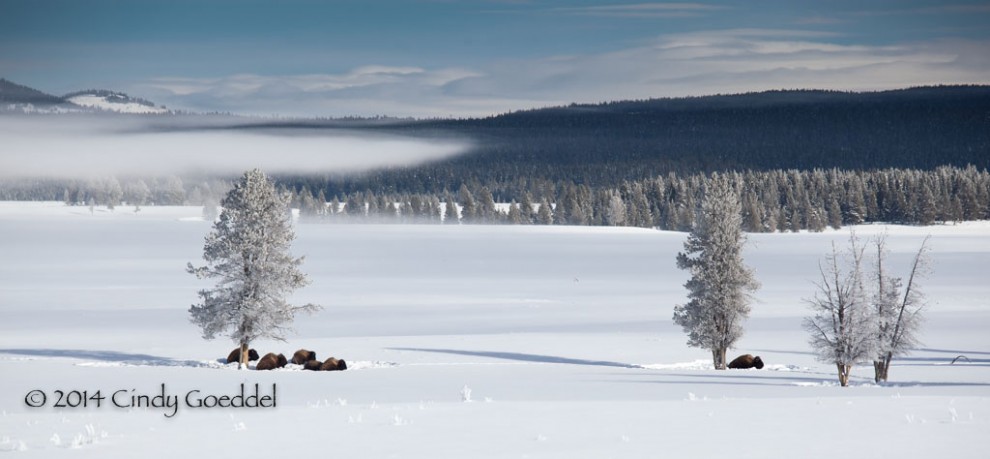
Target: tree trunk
(718, 358)
(882, 367)
(844, 374)
(244, 356)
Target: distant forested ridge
(606, 144)
(800, 160)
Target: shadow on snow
(107, 356)
(522, 357)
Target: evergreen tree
(720, 284)
(247, 252)
(469, 210)
(526, 209)
(615, 213)
(514, 217)
(486, 206)
(544, 215)
(450, 211)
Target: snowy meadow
(467, 341)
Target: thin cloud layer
(68, 146)
(698, 63)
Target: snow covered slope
(113, 102)
(468, 341)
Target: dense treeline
(607, 144)
(111, 192)
(775, 200)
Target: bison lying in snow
(746, 361)
(235, 355)
(302, 356)
(333, 364)
(271, 361)
(313, 365)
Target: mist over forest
(801, 160)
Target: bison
(313, 365)
(271, 361)
(333, 364)
(302, 356)
(235, 355)
(746, 361)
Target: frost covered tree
(841, 329)
(896, 313)
(247, 252)
(720, 286)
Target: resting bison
(235, 355)
(333, 364)
(302, 356)
(313, 365)
(746, 361)
(271, 361)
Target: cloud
(642, 10)
(697, 63)
(71, 146)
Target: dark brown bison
(302, 356)
(271, 361)
(333, 364)
(314, 365)
(235, 355)
(746, 361)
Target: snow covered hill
(467, 341)
(110, 101)
(16, 98)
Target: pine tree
(544, 215)
(514, 216)
(720, 284)
(247, 252)
(469, 210)
(526, 209)
(486, 206)
(615, 212)
(450, 216)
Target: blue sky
(457, 58)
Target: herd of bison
(307, 359)
(303, 357)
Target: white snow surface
(101, 103)
(470, 342)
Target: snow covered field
(561, 337)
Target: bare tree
(841, 331)
(897, 315)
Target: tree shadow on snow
(522, 357)
(752, 378)
(954, 352)
(744, 378)
(778, 351)
(105, 356)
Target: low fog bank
(93, 146)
